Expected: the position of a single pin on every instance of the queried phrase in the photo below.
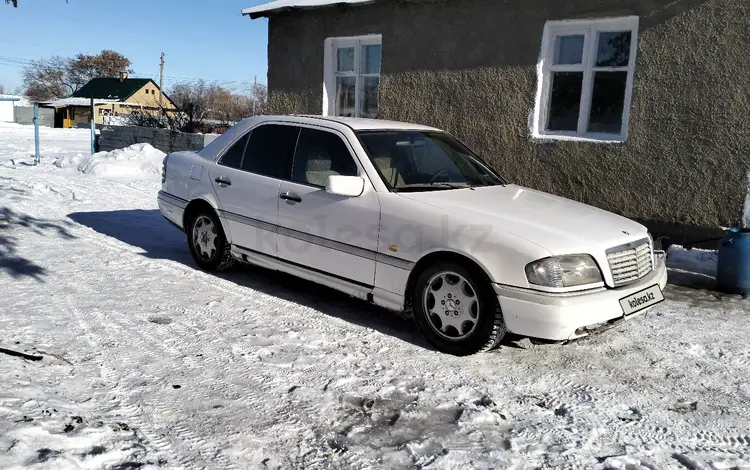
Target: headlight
(564, 271)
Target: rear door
(246, 180)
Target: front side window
(270, 150)
(425, 161)
(352, 76)
(319, 155)
(586, 79)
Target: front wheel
(457, 310)
(208, 243)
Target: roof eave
(254, 15)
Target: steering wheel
(438, 173)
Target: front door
(333, 234)
(246, 181)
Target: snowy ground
(147, 362)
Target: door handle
(290, 197)
(223, 181)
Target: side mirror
(348, 186)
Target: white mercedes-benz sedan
(407, 217)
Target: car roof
(365, 124)
(332, 122)
(357, 124)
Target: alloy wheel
(451, 305)
(204, 237)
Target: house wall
(469, 67)
(142, 99)
(82, 115)
(6, 111)
(149, 96)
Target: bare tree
(108, 63)
(58, 76)
(259, 94)
(2, 89)
(223, 106)
(145, 118)
(46, 79)
(199, 103)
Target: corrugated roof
(111, 88)
(276, 6)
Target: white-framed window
(586, 72)
(352, 76)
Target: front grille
(631, 262)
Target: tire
(476, 325)
(208, 243)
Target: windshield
(423, 161)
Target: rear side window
(233, 157)
(321, 154)
(270, 150)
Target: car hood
(556, 224)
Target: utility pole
(161, 84)
(255, 88)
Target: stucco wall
(469, 66)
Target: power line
(6, 60)
(16, 59)
(232, 85)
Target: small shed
(7, 105)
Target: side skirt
(380, 297)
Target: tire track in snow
(248, 392)
(284, 413)
(117, 397)
(190, 449)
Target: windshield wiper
(433, 186)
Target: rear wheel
(208, 243)
(457, 310)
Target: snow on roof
(277, 5)
(76, 102)
(18, 100)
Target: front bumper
(560, 317)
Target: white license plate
(640, 300)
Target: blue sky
(201, 39)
